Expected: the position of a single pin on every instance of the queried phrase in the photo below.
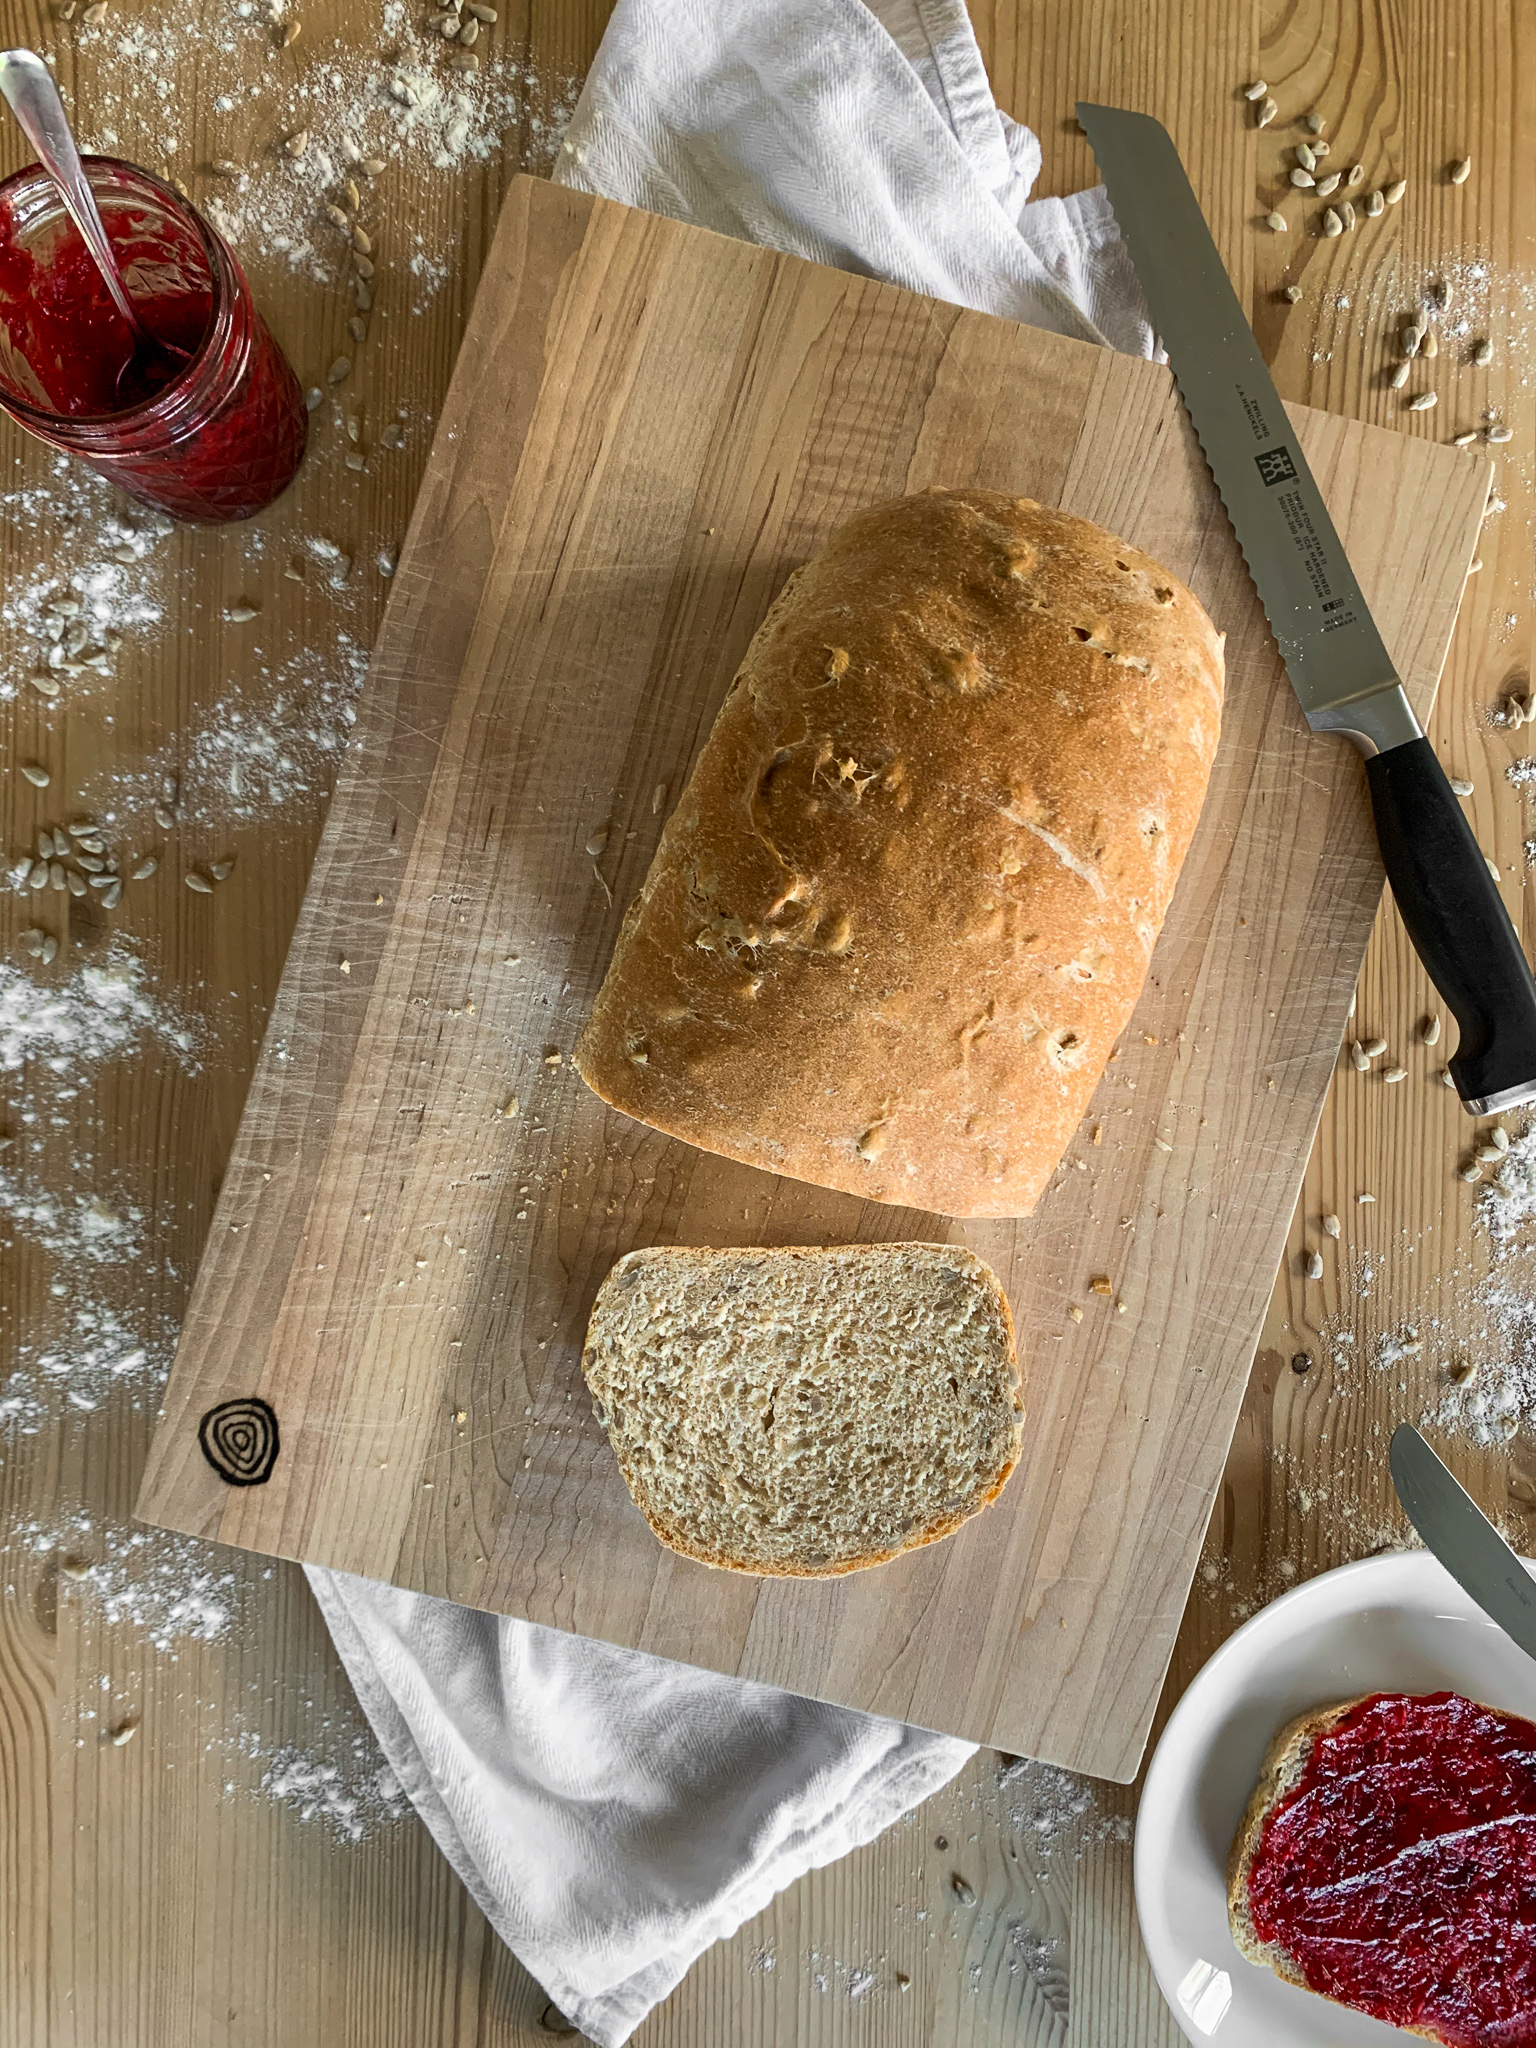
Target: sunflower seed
(74, 883)
(489, 16)
(1413, 335)
(386, 561)
(1393, 192)
(1356, 176)
(469, 34)
(1460, 171)
(36, 774)
(199, 884)
(56, 876)
(401, 91)
(1303, 179)
(357, 460)
(357, 327)
(448, 27)
(372, 166)
(221, 167)
(339, 371)
(1320, 150)
(112, 895)
(242, 613)
(1430, 347)
(1359, 1056)
(1346, 213)
(32, 940)
(1471, 1171)
(125, 1731)
(38, 878)
(354, 429)
(221, 870)
(1501, 434)
(393, 436)
(1314, 1267)
(165, 817)
(97, 11)
(1429, 1029)
(1292, 292)
(1464, 440)
(1462, 1371)
(314, 398)
(1499, 1138)
(1461, 786)
(1316, 124)
(338, 216)
(1276, 223)
(1375, 205)
(1474, 565)
(363, 265)
(1326, 187)
(1493, 867)
(463, 60)
(45, 685)
(1488, 1155)
(297, 143)
(1267, 113)
(1332, 225)
(961, 1889)
(1424, 401)
(1482, 355)
(364, 295)
(48, 951)
(1363, 1199)
(142, 870)
(1373, 1048)
(361, 242)
(1256, 91)
(1305, 157)
(1399, 376)
(1332, 1226)
(289, 36)
(1392, 1075)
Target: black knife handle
(1456, 919)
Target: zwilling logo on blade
(1276, 466)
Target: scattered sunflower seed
(961, 1889)
(221, 870)
(1488, 1155)
(56, 876)
(1464, 440)
(469, 34)
(221, 167)
(339, 371)
(38, 877)
(1346, 213)
(1493, 867)
(1431, 345)
(1305, 157)
(1303, 179)
(1332, 225)
(386, 561)
(1267, 113)
(92, 863)
(1359, 1057)
(1314, 1266)
(1276, 223)
(125, 1730)
(1356, 176)
(1429, 1029)
(1461, 785)
(1332, 1227)
(1399, 376)
(242, 613)
(1471, 1171)
(1100, 1284)
(1391, 1075)
(112, 895)
(598, 841)
(1474, 565)
(1375, 205)
(48, 951)
(45, 685)
(165, 817)
(314, 397)
(1482, 355)
(1320, 150)
(1460, 171)
(1499, 1138)
(338, 216)
(1315, 124)
(1256, 91)
(297, 143)
(1292, 292)
(1393, 192)
(1413, 335)
(36, 774)
(357, 327)
(362, 264)
(289, 36)
(199, 884)
(1424, 401)
(393, 436)
(102, 881)
(1326, 187)
(361, 242)
(487, 15)
(1373, 1048)
(97, 11)
(372, 166)
(143, 869)
(466, 60)
(1500, 435)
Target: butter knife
(1334, 655)
(1462, 1537)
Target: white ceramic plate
(1398, 1623)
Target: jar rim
(183, 209)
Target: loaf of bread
(805, 1412)
(1387, 1860)
(906, 902)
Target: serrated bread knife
(1338, 665)
(1455, 1528)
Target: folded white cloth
(613, 1814)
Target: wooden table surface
(162, 1889)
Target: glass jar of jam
(214, 427)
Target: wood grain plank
(610, 588)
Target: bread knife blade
(1458, 1532)
(1338, 665)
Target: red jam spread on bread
(1399, 1874)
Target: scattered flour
(171, 1590)
(351, 1798)
(1057, 1812)
(97, 1013)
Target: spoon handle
(28, 88)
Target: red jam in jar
(213, 437)
(1399, 1873)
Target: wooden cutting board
(649, 427)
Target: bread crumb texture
(806, 1412)
(907, 900)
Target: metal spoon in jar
(28, 88)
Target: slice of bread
(806, 1412)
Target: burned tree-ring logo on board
(240, 1441)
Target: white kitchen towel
(613, 1814)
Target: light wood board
(647, 429)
